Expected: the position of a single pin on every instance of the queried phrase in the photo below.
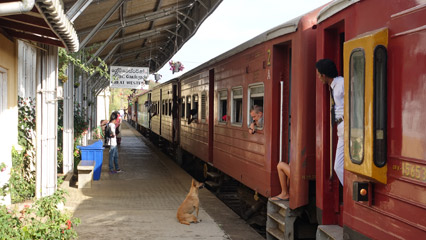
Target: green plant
(26, 136)
(42, 220)
(21, 187)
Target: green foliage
(42, 220)
(21, 187)
(22, 175)
(79, 60)
(60, 156)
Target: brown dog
(191, 203)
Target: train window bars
(223, 106)
(183, 108)
(356, 105)
(380, 105)
(237, 106)
(255, 93)
(164, 108)
(195, 106)
(188, 107)
(203, 105)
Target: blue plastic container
(94, 152)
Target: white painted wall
(102, 107)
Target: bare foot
(281, 197)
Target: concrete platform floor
(141, 202)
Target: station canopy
(142, 33)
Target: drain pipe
(17, 7)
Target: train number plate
(414, 171)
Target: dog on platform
(190, 204)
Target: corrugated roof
(45, 23)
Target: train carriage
(143, 112)
(380, 54)
(194, 118)
(162, 98)
(378, 46)
(272, 71)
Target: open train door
(329, 190)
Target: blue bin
(94, 152)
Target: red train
(379, 48)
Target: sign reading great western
(128, 77)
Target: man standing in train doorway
(327, 73)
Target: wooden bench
(85, 173)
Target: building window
(188, 107)
(170, 107)
(237, 106)
(203, 106)
(223, 106)
(356, 105)
(255, 93)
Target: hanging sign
(129, 77)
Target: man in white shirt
(113, 151)
(327, 74)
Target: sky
(233, 23)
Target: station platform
(142, 201)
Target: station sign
(129, 77)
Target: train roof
(333, 8)
(280, 30)
(165, 83)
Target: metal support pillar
(68, 136)
(47, 122)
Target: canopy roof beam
(77, 9)
(101, 23)
(138, 19)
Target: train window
(356, 105)
(164, 107)
(188, 107)
(380, 106)
(256, 93)
(170, 107)
(203, 106)
(183, 108)
(195, 106)
(223, 105)
(237, 106)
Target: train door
(149, 110)
(334, 38)
(161, 110)
(211, 114)
(175, 115)
(282, 79)
(135, 113)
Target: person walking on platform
(112, 142)
(327, 74)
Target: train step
(213, 174)
(334, 232)
(275, 223)
(212, 184)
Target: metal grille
(203, 106)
